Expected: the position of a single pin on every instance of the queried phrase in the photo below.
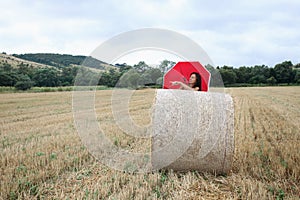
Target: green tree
(284, 72)
(272, 73)
(6, 67)
(67, 75)
(24, 83)
(123, 67)
(153, 74)
(259, 74)
(6, 79)
(104, 79)
(159, 81)
(297, 76)
(145, 79)
(109, 78)
(272, 80)
(141, 67)
(165, 65)
(130, 79)
(257, 79)
(25, 69)
(86, 77)
(228, 75)
(243, 74)
(46, 77)
(8, 76)
(133, 80)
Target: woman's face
(192, 79)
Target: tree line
(24, 76)
(282, 73)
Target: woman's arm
(184, 86)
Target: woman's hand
(175, 83)
(182, 85)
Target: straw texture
(192, 131)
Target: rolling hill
(61, 60)
(53, 60)
(15, 61)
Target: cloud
(232, 32)
(251, 33)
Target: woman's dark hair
(198, 80)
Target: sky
(233, 32)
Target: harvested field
(42, 157)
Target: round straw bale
(192, 131)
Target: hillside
(62, 60)
(14, 61)
(47, 71)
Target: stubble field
(42, 157)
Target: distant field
(42, 157)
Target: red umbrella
(182, 71)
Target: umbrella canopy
(182, 71)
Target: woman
(194, 82)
